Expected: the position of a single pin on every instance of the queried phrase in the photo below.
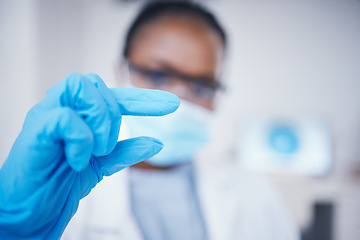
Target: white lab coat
(235, 205)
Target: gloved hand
(68, 143)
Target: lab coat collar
(215, 192)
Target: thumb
(126, 153)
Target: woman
(179, 47)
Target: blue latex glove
(68, 143)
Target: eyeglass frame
(203, 82)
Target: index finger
(145, 102)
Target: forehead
(187, 45)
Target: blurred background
(291, 112)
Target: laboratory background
(291, 109)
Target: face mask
(183, 133)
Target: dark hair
(156, 9)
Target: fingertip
(128, 152)
(166, 102)
(143, 147)
(157, 144)
(93, 77)
(175, 101)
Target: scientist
(179, 47)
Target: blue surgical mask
(183, 133)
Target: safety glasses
(201, 88)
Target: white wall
(287, 59)
(298, 58)
(295, 59)
(17, 67)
